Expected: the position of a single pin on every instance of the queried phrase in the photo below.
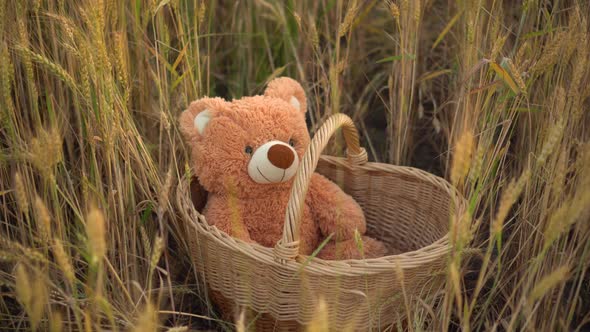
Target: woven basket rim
(317, 266)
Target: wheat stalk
(54, 68)
(20, 193)
(462, 158)
(43, 219)
(96, 234)
(63, 261)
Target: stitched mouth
(263, 175)
(267, 179)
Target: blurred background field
(492, 95)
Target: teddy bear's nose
(281, 156)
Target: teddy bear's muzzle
(273, 162)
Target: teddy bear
(246, 152)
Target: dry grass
(492, 95)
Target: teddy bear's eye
(292, 142)
(248, 149)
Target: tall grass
(492, 95)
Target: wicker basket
(406, 208)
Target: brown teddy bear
(246, 152)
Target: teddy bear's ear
(195, 119)
(289, 90)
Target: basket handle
(288, 246)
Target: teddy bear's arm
(334, 211)
(226, 217)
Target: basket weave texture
(406, 208)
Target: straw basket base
(253, 321)
(257, 322)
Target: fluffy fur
(255, 212)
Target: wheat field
(491, 95)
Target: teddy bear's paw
(332, 252)
(349, 221)
(352, 249)
(373, 248)
(353, 216)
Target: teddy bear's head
(248, 146)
